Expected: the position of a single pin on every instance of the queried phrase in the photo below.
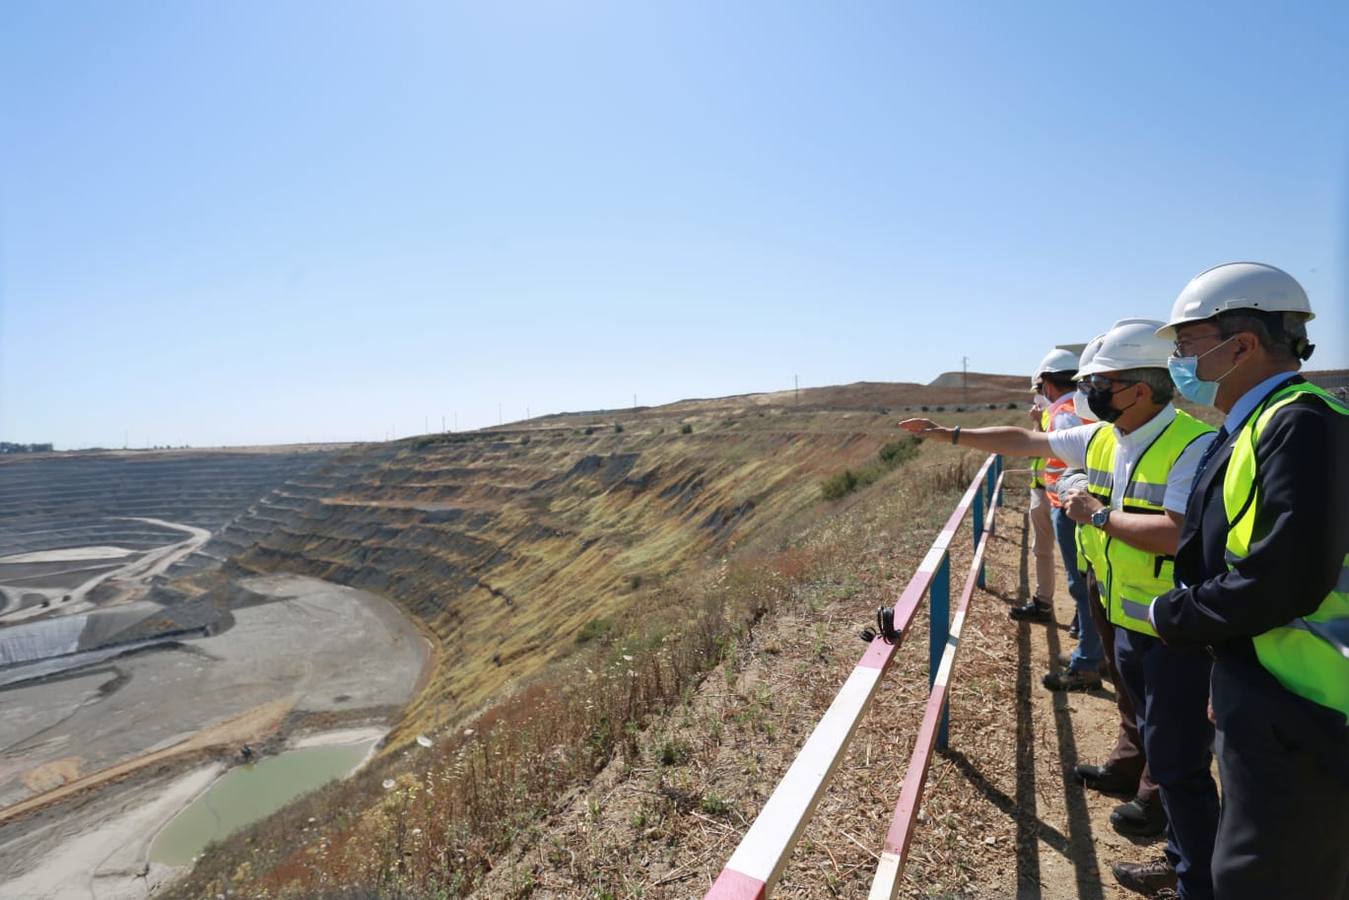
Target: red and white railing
(757, 862)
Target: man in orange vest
(1058, 366)
(1056, 384)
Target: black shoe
(1069, 680)
(1146, 878)
(1101, 779)
(1139, 819)
(1036, 610)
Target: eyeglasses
(1185, 345)
(1104, 382)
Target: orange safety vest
(1054, 467)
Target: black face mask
(1100, 403)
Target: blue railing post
(978, 529)
(939, 602)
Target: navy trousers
(1284, 762)
(1169, 687)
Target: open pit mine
(169, 620)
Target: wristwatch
(1100, 517)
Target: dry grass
(633, 698)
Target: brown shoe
(1146, 878)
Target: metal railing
(757, 863)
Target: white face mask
(1039, 402)
(1081, 407)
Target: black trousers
(1284, 765)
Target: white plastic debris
(423, 740)
(389, 784)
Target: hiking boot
(1146, 878)
(1036, 610)
(1139, 819)
(1166, 894)
(1101, 779)
(1069, 680)
(1066, 659)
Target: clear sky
(243, 222)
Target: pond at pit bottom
(248, 793)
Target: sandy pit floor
(68, 553)
(318, 647)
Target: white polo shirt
(1070, 446)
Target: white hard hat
(1089, 352)
(1129, 344)
(1055, 360)
(1237, 285)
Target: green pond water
(248, 793)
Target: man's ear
(1146, 396)
(1246, 343)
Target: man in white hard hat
(1125, 771)
(1051, 382)
(1262, 577)
(1139, 469)
(1082, 669)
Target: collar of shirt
(1251, 399)
(1145, 434)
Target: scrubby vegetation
(433, 821)
(888, 458)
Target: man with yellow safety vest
(1262, 578)
(1053, 386)
(1139, 468)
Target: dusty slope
(1001, 819)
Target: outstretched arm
(1002, 439)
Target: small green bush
(675, 753)
(840, 485)
(714, 805)
(589, 429)
(618, 429)
(686, 429)
(594, 629)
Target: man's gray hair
(1158, 380)
(1282, 334)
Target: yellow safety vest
(1310, 655)
(1037, 465)
(1129, 578)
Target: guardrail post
(939, 602)
(978, 529)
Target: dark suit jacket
(1298, 547)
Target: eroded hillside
(507, 546)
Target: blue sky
(243, 222)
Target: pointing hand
(921, 427)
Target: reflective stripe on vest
(1131, 578)
(1309, 655)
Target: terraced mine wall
(72, 500)
(506, 545)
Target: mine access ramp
(757, 863)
